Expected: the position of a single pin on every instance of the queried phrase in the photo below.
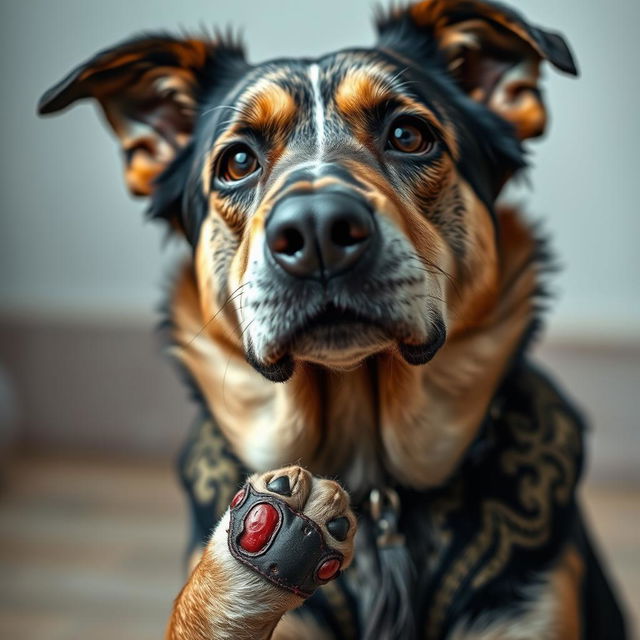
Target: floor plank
(90, 548)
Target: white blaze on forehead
(318, 109)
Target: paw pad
(328, 569)
(338, 528)
(280, 485)
(259, 527)
(237, 499)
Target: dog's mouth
(332, 316)
(339, 337)
(331, 334)
(342, 338)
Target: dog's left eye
(410, 135)
(237, 163)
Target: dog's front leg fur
(226, 599)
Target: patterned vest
(503, 518)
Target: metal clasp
(384, 506)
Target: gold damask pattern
(340, 609)
(542, 462)
(213, 475)
(537, 454)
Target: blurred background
(92, 524)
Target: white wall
(72, 241)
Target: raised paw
(292, 528)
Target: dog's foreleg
(285, 534)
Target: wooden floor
(92, 548)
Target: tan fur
(223, 600)
(429, 415)
(173, 87)
(272, 108)
(268, 109)
(515, 97)
(364, 89)
(566, 580)
(293, 628)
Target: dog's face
(342, 206)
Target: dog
(356, 314)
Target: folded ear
(148, 89)
(493, 54)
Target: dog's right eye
(237, 162)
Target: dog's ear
(491, 51)
(148, 88)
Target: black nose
(319, 235)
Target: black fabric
(507, 515)
(210, 474)
(478, 543)
(293, 554)
(602, 616)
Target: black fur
(279, 371)
(422, 353)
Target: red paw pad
(237, 499)
(328, 569)
(259, 526)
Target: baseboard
(93, 386)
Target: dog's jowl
(358, 304)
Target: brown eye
(237, 162)
(409, 135)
